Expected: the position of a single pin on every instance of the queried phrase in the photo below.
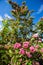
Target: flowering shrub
(20, 43)
(27, 52)
(23, 53)
(17, 45)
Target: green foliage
(40, 27)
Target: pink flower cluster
(27, 49)
(28, 54)
(17, 45)
(32, 49)
(26, 44)
(22, 51)
(24, 47)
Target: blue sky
(36, 5)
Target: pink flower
(17, 45)
(37, 46)
(28, 54)
(22, 51)
(23, 64)
(32, 49)
(20, 59)
(40, 40)
(35, 63)
(26, 44)
(41, 49)
(35, 35)
(8, 64)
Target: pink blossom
(32, 49)
(35, 63)
(8, 64)
(35, 35)
(28, 54)
(20, 59)
(40, 40)
(17, 45)
(23, 64)
(22, 51)
(26, 44)
(37, 46)
(41, 49)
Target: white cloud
(40, 9)
(7, 16)
(1, 19)
(1, 27)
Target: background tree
(23, 16)
(40, 28)
(19, 28)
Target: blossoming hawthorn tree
(19, 43)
